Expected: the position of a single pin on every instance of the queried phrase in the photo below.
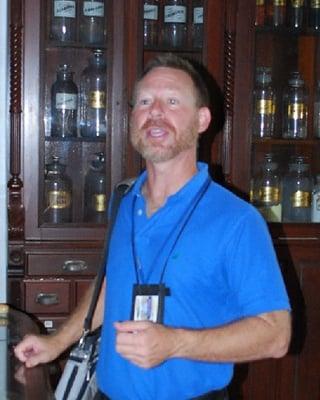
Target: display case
(272, 70)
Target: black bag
(78, 380)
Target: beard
(159, 152)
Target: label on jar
(300, 199)
(265, 107)
(279, 3)
(297, 111)
(66, 101)
(93, 9)
(175, 14)
(99, 202)
(315, 207)
(198, 15)
(269, 195)
(260, 2)
(97, 99)
(59, 199)
(297, 3)
(150, 12)
(64, 8)
(315, 4)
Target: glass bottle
(57, 193)
(297, 186)
(64, 93)
(260, 13)
(296, 14)
(266, 194)
(93, 97)
(264, 104)
(197, 24)
(175, 23)
(95, 191)
(314, 15)
(295, 113)
(150, 23)
(279, 13)
(92, 22)
(316, 112)
(315, 201)
(63, 20)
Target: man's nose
(156, 109)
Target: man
(193, 285)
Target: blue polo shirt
(222, 268)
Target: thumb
(131, 326)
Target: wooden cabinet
(282, 49)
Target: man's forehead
(174, 77)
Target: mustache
(157, 124)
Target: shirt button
(139, 212)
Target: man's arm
(146, 344)
(36, 349)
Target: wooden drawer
(63, 264)
(48, 296)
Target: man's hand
(144, 343)
(37, 349)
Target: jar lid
(263, 75)
(295, 79)
(55, 166)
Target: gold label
(315, 4)
(259, 2)
(100, 202)
(297, 3)
(265, 107)
(279, 3)
(300, 199)
(97, 99)
(269, 195)
(297, 111)
(59, 199)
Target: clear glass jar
(63, 20)
(93, 97)
(260, 13)
(151, 23)
(295, 108)
(57, 193)
(316, 112)
(264, 100)
(315, 200)
(95, 206)
(64, 96)
(197, 24)
(279, 13)
(297, 187)
(266, 195)
(92, 22)
(175, 23)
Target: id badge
(148, 302)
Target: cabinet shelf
(75, 139)
(285, 142)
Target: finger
(131, 326)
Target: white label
(198, 15)
(65, 8)
(175, 14)
(150, 12)
(66, 101)
(315, 207)
(93, 9)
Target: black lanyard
(183, 223)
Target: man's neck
(165, 179)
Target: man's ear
(204, 119)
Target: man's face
(165, 118)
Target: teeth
(156, 132)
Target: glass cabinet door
(69, 125)
(285, 112)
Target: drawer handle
(74, 265)
(47, 299)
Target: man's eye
(144, 102)
(173, 101)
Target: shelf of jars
(173, 26)
(285, 145)
(74, 134)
